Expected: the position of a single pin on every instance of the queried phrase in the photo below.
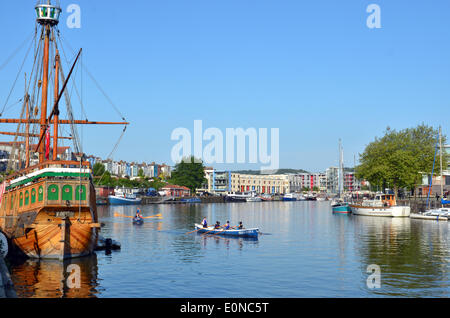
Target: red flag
(47, 144)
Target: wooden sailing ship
(48, 207)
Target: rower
(240, 226)
(204, 223)
(217, 225)
(227, 226)
(138, 214)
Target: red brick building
(176, 191)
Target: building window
(20, 199)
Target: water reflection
(48, 279)
(412, 255)
(310, 252)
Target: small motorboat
(252, 232)
(341, 208)
(138, 221)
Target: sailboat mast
(43, 121)
(341, 171)
(442, 178)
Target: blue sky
(313, 69)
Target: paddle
(116, 214)
(194, 231)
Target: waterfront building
(332, 175)
(351, 183)
(165, 170)
(176, 191)
(223, 182)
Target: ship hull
(58, 241)
(51, 214)
(344, 209)
(115, 200)
(395, 211)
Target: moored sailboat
(339, 205)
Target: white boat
(440, 211)
(253, 199)
(239, 196)
(382, 205)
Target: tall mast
(27, 127)
(56, 117)
(341, 171)
(43, 121)
(442, 178)
(47, 16)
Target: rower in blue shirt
(204, 223)
(227, 226)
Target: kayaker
(204, 223)
(217, 225)
(227, 226)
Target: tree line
(400, 158)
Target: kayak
(252, 232)
(138, 221)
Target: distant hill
(279, 171)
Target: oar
(153, 216)
(116, 214)
(194, 231)
(121, 215)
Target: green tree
(98, 169)
(189, 173)
(398, 159)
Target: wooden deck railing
(47, 164)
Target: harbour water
(304, 251)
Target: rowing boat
(138, 221)
(252, 232)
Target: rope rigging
(17, 76)
(31, 129)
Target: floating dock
(428, 217)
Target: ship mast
(48, 18)
(56, 118)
